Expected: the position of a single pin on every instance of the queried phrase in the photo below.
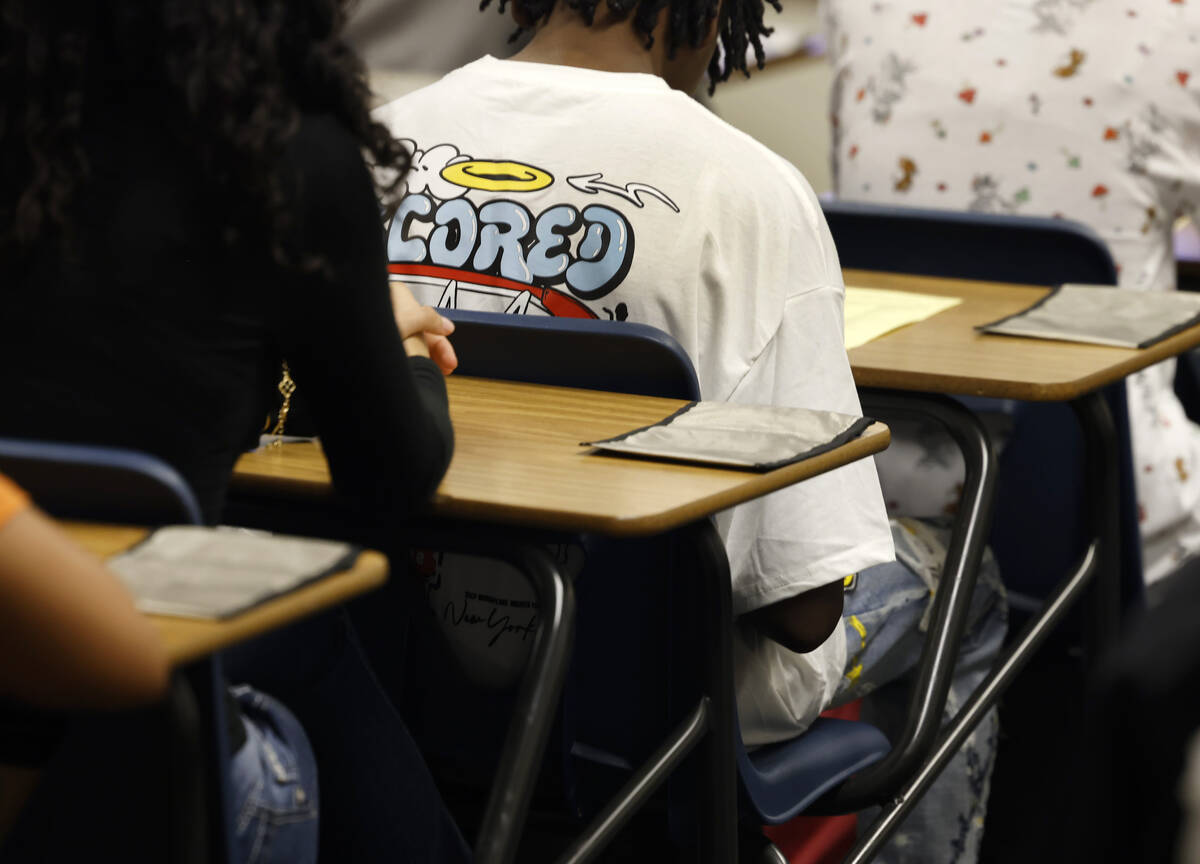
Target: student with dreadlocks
(580, 179)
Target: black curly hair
(232, 77)
(740, 29)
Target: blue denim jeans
(379, 802)
(274, 778)
(886, 616)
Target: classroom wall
(785, 106)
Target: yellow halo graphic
(497, 176)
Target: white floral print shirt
(1083, 109)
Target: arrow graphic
(590, 184)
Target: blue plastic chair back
(1022, 249)
(614, 356)
(106, 484)
(1038, 531)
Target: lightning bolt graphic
(591, 184)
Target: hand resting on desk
(423, 329)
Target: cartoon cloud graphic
(427, 167)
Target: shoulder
(326, 180)
(758, 194)
(464, 79)
(742, 157)
(747, 173)
(323, 151)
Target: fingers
(423, 319)
(442, 353)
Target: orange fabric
(12, 500)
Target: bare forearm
(69, 634)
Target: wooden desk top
(188, 639)
(945, 354)
(518, 460)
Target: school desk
(518, 462)
(195, 706)
(189, 639)
(944, 354)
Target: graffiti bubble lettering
(399, 248)
(454, 238)
(502, 238)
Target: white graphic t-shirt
(550, 190)
(1084, 109)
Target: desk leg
(1099, 561)
(707, 727)
(537, 700)
(951, 604)
(718, 791)
(1102, 485)
(634, 794)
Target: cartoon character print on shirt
(1142, 137)
(1058, 16)
(459, 246)
(908, 170)
(987, 198)
(888, 87)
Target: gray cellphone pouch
(1103, 315)
(757, 437)
(197, 572)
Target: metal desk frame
(707, 730)
(907, 774)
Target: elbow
(432, 448)
(137, 672)
(102, 680)
(441, 450)
(426, 474)
(149, 683)
(804, 622)
(807, 636)
(140, 679)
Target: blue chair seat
(784, 779)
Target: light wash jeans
(274, 778)
(886, 615)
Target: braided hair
(740, 26)
(231, 77)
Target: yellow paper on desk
(872, 312)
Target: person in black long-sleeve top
(149, 332)
(184, 206)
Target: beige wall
(785, 106)
(786, 109)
